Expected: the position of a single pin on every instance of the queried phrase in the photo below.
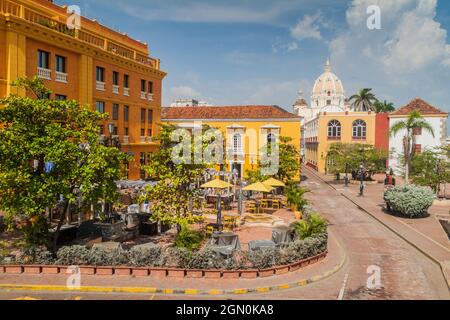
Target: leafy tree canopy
(49, 149)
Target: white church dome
(328, 90)
(328, 82)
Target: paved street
(405, 272)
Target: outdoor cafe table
(260, 244)
(212, 198)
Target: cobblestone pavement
(405, 273)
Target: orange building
(95, 65)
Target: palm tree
(414, 122)
(384, 106)
(364, 100)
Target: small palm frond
(398, 126)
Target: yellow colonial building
(245, 130)
(85, 61)
(328, 128)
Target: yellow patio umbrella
(217, 184)
(274, 183)
(258, 187)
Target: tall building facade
(95, 65)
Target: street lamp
(361, 179)
(112, 141)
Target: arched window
(271, 138)
(237, 143)
(334, 129)
(359, 129)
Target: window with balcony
(359, 129)
(60, 68)
(142, 132)
(101, 130)
(100, 77)
(126, 85)
(126, 113)
(115, 111)
(126, 131)
(334, 129)
(44, 71)
(100, 106)
(143, 115)
(143, 89)
(150, 90)
(149, 132)
(115, 79)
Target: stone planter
(158, 272)
(87, 270)
(194, 273)
(50, 270)
(304, 263)
(295, 266)
(213, 274)
(140, 272)
(249, 274)
(177, 273)
(13, 269)
(104, 271)
(32, 269)
(281, 270)
(122, 271)
(2, 269)
(231, 274)
(266, 273)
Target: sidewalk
(302, 277)
(425, 234)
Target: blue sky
(263, 52)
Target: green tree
(176, 192)
(346, 157)
(37, 134)
(288, 162)
(364, 100)
(431, 168)
(384, 106)
(414, 122)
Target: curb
(438, 262)
(299, 283)
(168, 291)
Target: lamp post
(346, 175)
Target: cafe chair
(276, 204)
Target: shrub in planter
(107, 257)
(173, 257)
(35, 255)
(263, 259)
(73, 255)
(205, 259)
(302, 249)
(189, 239)
(409, 200)
(145, 257)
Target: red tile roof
(227, 112)
(417, 105)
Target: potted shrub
(294, 194)
(409, 200)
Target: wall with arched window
(334, 129)
(359, 129)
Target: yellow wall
(318, 152)
(254, 139)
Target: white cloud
(308, 27)
(408, 57)
(285, 47)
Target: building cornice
(297, 119)
(64, 41)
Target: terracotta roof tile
(418, 105)
(227, 112)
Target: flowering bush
(409, 200)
